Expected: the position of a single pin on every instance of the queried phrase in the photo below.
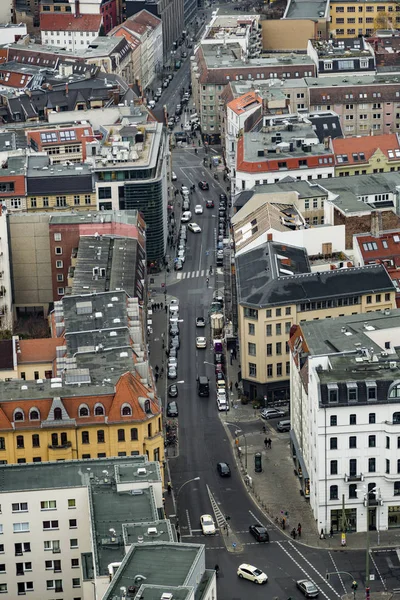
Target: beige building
(276, 289)
(28, 359)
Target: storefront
(393, 517)
(300, 468)
(346, 522)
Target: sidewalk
(276, 489)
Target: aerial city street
(200, 299)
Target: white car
(173, 176)
(222, 404)
(174, 318)
(172, 362)
(194, 228)
(186, 216)
(201, 342)
(159, 91)
(251, 573)
(185, 190)
(181, 255)
(198, 209)
(207, 525)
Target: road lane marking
(303, 570)
(189, 524)
(197, 273)
(202, 273)
(337, 571)
(313, 568)
(193, 274)
(179, 275)
(377, 570)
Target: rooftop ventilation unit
(141, 471)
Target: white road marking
(184, 275)
(179, 275)
(338, 574)
(202, 273)
(197, 273)
(313, 568)
(254, 517)
(377, 570)
(303, 570)
(189, 524)
(193, 273)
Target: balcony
(353, 478)
(60, 446)
(154, 436)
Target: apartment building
(214, 66)
(369, 154)
(285, 145)
(63, 143)
(276, 289)
(350, 19)
(73, 527)
(351, 56)
(5, 274)
(364, 103)
(346, 421)
(72, 32)
(110, 10)
(29, 359)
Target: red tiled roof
(243, 103)
(128, 391)
(123, 31)
(367, 145)
(383, 248)
(68, 22)
(144, 17)
(39, 350)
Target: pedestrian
(178, 536)
(234, 353)
(331, 532)
(264, 429)
(266, 442)
(166, 308)
(299, 530)
(322, 535)
(283, 523)
(293, 534)
(269, 443)
(169, 487)
(156, 369)
(161, 306)
(167, 352)
(230, 386)
(156, 377)
(231, 355)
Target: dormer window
(126, 411)
(352, 392)
(147, 408)
(83, 411)
(333, 393)
(18, 415)
(371, 390)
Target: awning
(299, 455)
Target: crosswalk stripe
(179, 275)
(184, 275)
(193, 273)
(202, 272)
(197, 273)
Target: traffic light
(354, 585)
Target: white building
(345, 415)
(5, 275)
(244, 30)
(79, 528)
(6, 11)
(73, 32)
(10, 33)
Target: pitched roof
(144, 17)
(129, 390)
(245, 102)
(384, 247)
(39, 350)
(68, 22)
(387, 143)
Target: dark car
(219, 358)
(222, 197)
(203, 185)
(259, 532)
(172, 409)
(220, 376)
(173, 390)
(224, 469)
(210, 204)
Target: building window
(268, 330)
(333, 492)
(59, 264)
(372, 418)
(352, 392)
(252, 370)
(19, 507)
(84, 411)
(252, 329)
(250, 313)
(251, 349)
(371, 465)
(126, 411)
(333, 443)
(20, 441)
(121, 435)
(20, 527)
(100, 436)
(353, 490)
(77, 200)
(58, 250)
(279, 369)
(278, 329)
(387, 466)
(334, 467)
(85, 437)
(333, 420)
(353, 419)
(134, 434)
(372, 441)
(35, 441)
(61, 201)
(396, 488)
(353, 441)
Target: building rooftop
(53, 21)
(359, 150)
(325, 123)
(14, 165)
(307, 9)
(276, 274)
(304, 189)
(37, 350)
(341, 48)
(6, 354)
(46, 178)
(134, 533)
(244, 103)
(129, 217)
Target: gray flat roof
(135, 533)
(257, 141)
(40, 166)
(307, 9)
(232, 56)
(129, 217)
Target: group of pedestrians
(268, 443)
(157, 306)
(296, 532)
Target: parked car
(272, 413)
(308, 588)
(178, 266)
(223, 405)
(172, 373)
(207, 525)
(159, 91)
(283, 425)
(251, 573)
(174, 342)
(222, 198)
(173, 352)
(259, 532)
(172, 362)
(172, 409)
(186, 216)
(203, 185)
(224, 469)
(172, 390)
(174, 329)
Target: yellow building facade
(351, 19)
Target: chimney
(66, 89)
(270, 237)
(77, 8)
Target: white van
(186, 216)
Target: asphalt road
(203, 441)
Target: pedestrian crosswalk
(190, 274)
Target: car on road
(151, 104)
(198, 209)
(172, 373)
(259, 532)
(173, 390)
(272, 413)
(207, 525)
(223, 405)
(166, 83)
(308, 588)
(200, 322)
(186, 216)
(203, 185)
(284, 425)
(210, 204)
(186, 204)
(246, 571)
(224, 469)
(194, 228)
(178, 266)
(201, 342)
(172, 409)
(185, 190)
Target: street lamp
(183, 485)
(245, 445)
(366, 493)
